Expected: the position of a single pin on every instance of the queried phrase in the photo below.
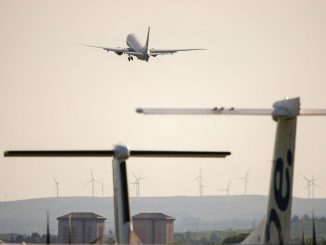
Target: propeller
(110, 153)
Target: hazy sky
(55, 94)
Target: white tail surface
(278, 217)
(275, 228)
(147, 41)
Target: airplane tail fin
(147, 40)
(278, 218)
(275, 229)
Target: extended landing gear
(130, 58)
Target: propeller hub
(121, 152)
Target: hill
(206, 213)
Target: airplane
(120, 153)
(139, 50)
(275, 227)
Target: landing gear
(130, 58)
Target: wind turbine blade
(314, 184)
(133, 174)
(55, 180)
(197, 178)
(95, 180)
(229, 185)
(109, 153)
(246, 176)
(88, 182)
(305, 178)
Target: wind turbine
(200, 180)
(102, 188)
(136, 183)
(245, 179)
(311, 185)
(92, 180)
(56, 185)
(227, 189)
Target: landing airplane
(139, 50)
(275, 228)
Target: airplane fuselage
(136, 45)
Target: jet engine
(118, 52)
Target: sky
(56, 94)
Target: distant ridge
(191, 213)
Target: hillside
(192, 213)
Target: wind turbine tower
(245, 179)
(136, 183)
(93, 181)
(200, 180)
(227, 189)
(102, 188)
(56, 186)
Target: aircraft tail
(278, 218)
(147, 40)
(277, 224)
(275, 229)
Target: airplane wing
(116, 50)
(154, 52)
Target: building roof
(82, 215)
(152, 216)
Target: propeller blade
(179, 153)
(48, 235)
(109, 153)
(68, 153)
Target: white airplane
(275, 228)
(139, 50)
